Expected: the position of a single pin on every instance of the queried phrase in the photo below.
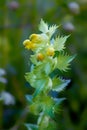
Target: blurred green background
(20, 18)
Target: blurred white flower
(3, 80)
(68, 26)
(7, 98)
(2, 72)
(74, 7)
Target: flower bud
(38, 38)
(40, 56)
(50, 51)
(35, 38)
(28, 44)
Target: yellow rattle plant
(48, 55)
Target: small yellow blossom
(36, 38)
(40, 56)
(28, 44)
(50, 51)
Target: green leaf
(31, 127)
(59, 43)
(43, 27)
(63, 61)
(59, 84)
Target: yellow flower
(50, 51)
(36, 38)
(28, 44)
(40, 56)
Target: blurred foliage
(18, 19)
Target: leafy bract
(46, 86)
(59, 84)
(36, 79)
(35, 108)
(45, 103)
(59, 43)
(39, 81)
(43, 27)
(58, 101)
(48, 106)
(39, 88)
(34, 60)
(63, 61)
(43, 121)
(48, 65)
(52, 30)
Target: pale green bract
(43, 27)
(49, 30)
(63, 61)
(59, 43)
(48, 56)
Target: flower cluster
(41, 44)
